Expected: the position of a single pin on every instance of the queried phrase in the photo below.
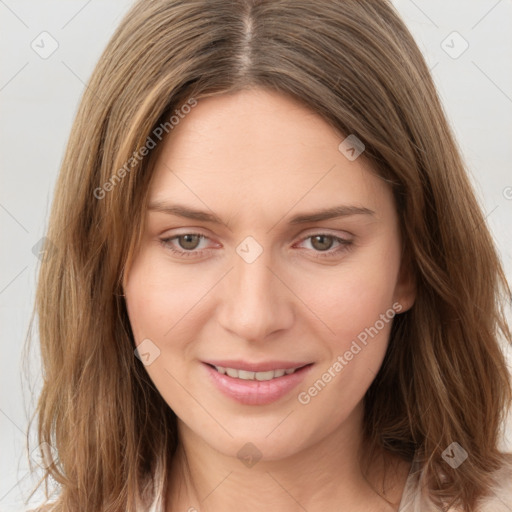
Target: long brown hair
(355, 64)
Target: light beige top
(499, 499)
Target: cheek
(157, 302)
(154, 298)
(352, 297)
(356, 302)
(162, 297)
(351, 357)
(360, 307)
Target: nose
(254, 303)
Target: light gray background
(39, 98)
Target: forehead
(259, 153)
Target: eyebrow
(316, 216)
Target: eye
(189, 242)
(184, 245)
(187, 245)
(322, 244)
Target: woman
(273, 285)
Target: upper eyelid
(307, 233)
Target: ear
(405, 288)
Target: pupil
(325, 242)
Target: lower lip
(256, 392)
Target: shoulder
(499, 498)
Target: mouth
(256, 384)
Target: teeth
(246, 375)
(242, 374)
(263, 375)
(231, 372)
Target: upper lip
(263, 366)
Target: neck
(322, 476)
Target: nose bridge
(254, 303)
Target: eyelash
(329, 253)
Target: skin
(255, 159)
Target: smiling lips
(256, 384)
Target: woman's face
(241, 274)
